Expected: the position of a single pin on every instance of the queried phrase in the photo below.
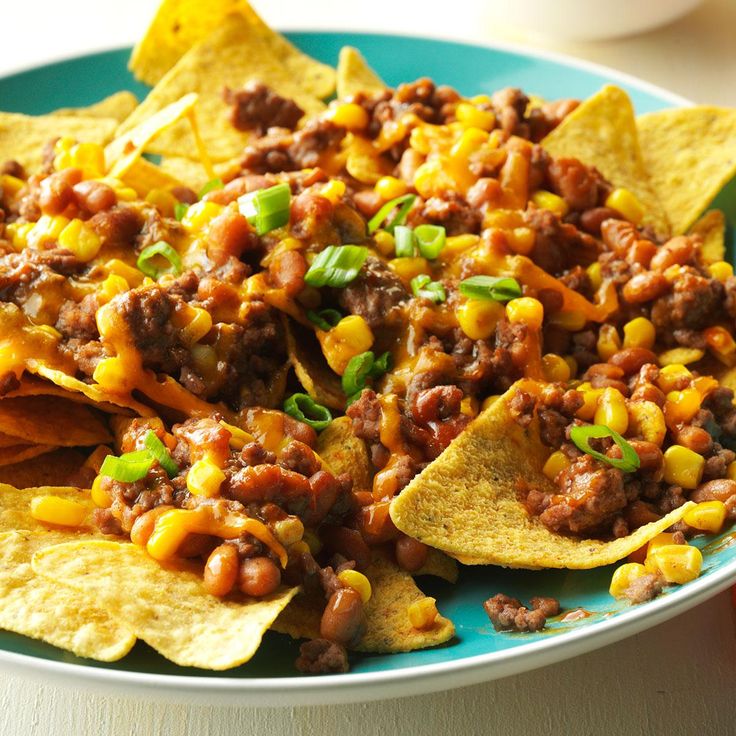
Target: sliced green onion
(357, 373)
(164, 250)
(336, 265)
(180, 209)
(404, 241)
(267, 209)
(381, 365)
(423, 286)
(307, 410)
(498, 289)
(127, 468)
(404, 203)
(161, 453)
(210, 186)
(325, 319)
(582, 435)
(430, 240)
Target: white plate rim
(402, 682)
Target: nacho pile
(320, 348)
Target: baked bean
(184, 194)
(94, 196)
(551, 299)
(436, 404)
(411, 554)
(619, 235)
(349, 543)
(696, 439)
(143, 526)
(299, 431)
(644, 287)
(287, 271)
(641, 252)
(591, 220)
(721, 489)
(677, 251)
(195, 545)
(607, 370)
(13, 168)
(648, 392)
(119, 225)
(343, 620)
(368, 202)
(484, 191)
(221, 570)
(631, 360)
(410, 161)
(229, 235)
(637, 514)
(651, 458)
(258, 576)
(56, 192)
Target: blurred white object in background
(587, 19)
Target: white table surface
(678, 678)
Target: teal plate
(478, 652)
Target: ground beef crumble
(508, 614)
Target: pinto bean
(648, 392)
(143, 526)
(411, 554)
(641, 252)
(229, 234)
(630, 360)
(644, 287)
(56, 191)
(343, 620)
(94, 196)
(349, 543)
(221, 570)
(436, 404)
(677, 251)
(591, 220)
(696, 439)
(258, 576)
(287, 271)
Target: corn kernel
(469, 142)
(333, 190)
(521, 240)
(671, 375)
(111, 287)
(132, 275)
(289, 530)
(595, 275)
(357, 581)
(298, 549)
(639, 333)
(662, 539)
(624, 576)
(385, 243)
(571, 320)
(80, 239)
(646, 419)
(46, 229)
(704, 385)
(683, 467)
(469, 407)
(18, 233)
(205, 478)
(478, 318)
(239, 438)
(389, 187)
(165, 202)
(526, 309)
(731, 471)
(626, 203)
(456, 244)
(612, 411)
(720, 270)
(473, 117)
(11, 185)
(609, 342)
(90, 158)
(550, 201)
(556, 462)
(678, 563)
(423, 613)
(680, 356)
(572, 364)
(719, 340)
(707, 516)
(348, 115)
(681, 406)
(555, 368)
(313, 541)
(199, 215)
(112, 373)
(55, 510)
(100, 497)
(408, 268)
(503, 218)
(348, 338)
(591, 397)
(489, 401)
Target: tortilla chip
(232, 55)
(53, 613)
(117, 106)
(354, 75)
(15, 507)
(310, 366)
(690, 154)
(49, 420)
(143, 176)
(388, 628)
(345, 453)
(58, 467)
(22, 137)
(602, 132)
(465, 503)
(16, 453)
(179, 24)
(193, 174)
(363, 162)
(167, 607)
(439, 565)
(711, 228)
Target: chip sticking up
(23, 137)
(690, 154)
(231, 56)
(711, 228)
(343, 452)
(179, 24)
(602, 132)
(117, 106)
(465, 502)
(193, 174)
(42, 609)
(167, 607)
(354, 75)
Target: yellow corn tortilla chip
(602, 132)
(465, 502)
(310, 366)
(363, 162)
(231, 56)
(711, 228)
(167, 607)
(118, 106)
(388, 627)
(179, 24)
(49, 420)
(354, 75)
(439, 565)
(41, 609)
(345, 453)
(690, 154)
(15, 507)
(143, 176)
(16, 453)
(59, 466)
(22, 137)
(193, 174)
